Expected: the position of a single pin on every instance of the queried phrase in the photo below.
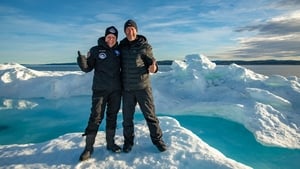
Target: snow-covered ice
(268, 106)
(186, 150)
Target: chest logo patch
(102, 55)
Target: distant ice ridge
(18, 81)
(268, 106)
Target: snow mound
(185, 150)
(266, 106)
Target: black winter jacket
(105, 62)
(136, 57)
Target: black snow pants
(100, 100)
(145, 100)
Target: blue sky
(51, 31)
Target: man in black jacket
(136, 62)
(104, 59)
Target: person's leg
(146, 103)
(128, 109)
(113, 107)
(95, 119)
(89, 149)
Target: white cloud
(277, 37)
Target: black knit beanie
(130, 23)
(111, 30)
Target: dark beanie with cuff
(130, 23)
(111, 30)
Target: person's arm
(82, 62)
(154, 67)
(150, 60)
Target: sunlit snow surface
(268, 106)
(186, 150)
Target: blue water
(52, 118)
(236, 142)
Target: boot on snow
(89, 149)
(110, 135)
(114, 148)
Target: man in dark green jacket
(136, 62)
(104, 59)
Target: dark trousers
(145, 100)
(100, 100)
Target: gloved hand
(79, 54)
(82, 62)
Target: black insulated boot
(161, 146)
(85, 155)
(127, 148)
(89, 149)
(110, 135)
(114, 148)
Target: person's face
(130, 33)
(111, 40)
